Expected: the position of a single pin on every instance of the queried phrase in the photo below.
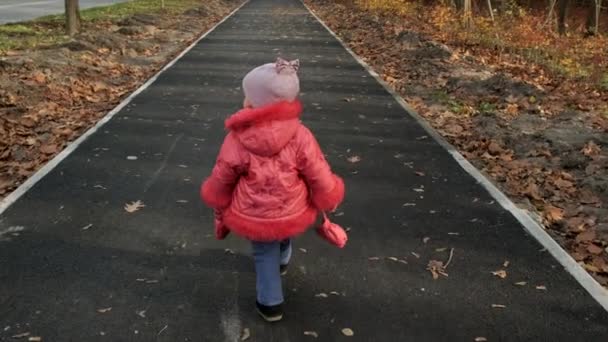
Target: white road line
(596, 290)
(28, 184)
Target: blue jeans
(268, 256)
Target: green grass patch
(49, 30)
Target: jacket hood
(266, 130)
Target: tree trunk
(467, 13)
(593, 18)
(562, 15)
(490, 9)
(72, 17)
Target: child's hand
(221, 231)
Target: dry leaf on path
(22, 335)
(134, 206)
(426, 239)
(506, 264)
(354, 159)
(437, 268)
(246, 334)
(348, 332)
(541, 287)
(500, 273)
(321, 295)
(481, 339)
(104, 310)
(498, 306)
(311, 333)
(303, 250)
(35, 339)
(521, 283)
(373, 258)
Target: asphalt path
(75, 266)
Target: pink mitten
(221, 231)
(332, 232)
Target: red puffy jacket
(271, 178)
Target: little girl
(271, 179)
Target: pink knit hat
(272, 82)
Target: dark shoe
(270, 313)
(283, 269)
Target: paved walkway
(166, 279)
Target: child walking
(271, 179)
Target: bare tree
(593, 19)
(562, 14)
(72, 17)
(467, 13)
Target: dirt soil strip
(543, 145)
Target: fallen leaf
(246, 334)
(553, 214)
(39, 77)
(311, 333)
(505, 264)
(49, 149)
(35, 339)
(416, 255)
(229, 251)
(141, 313)
(348, 332)
(22, 335)
(499, 306)
(481, 339)
(541, 287)
(373, 258)
(593, 249)
(500, 273)
(591, 149)
(521, 283)
(586, 236)
(321, 295)
(439, 250)
(409, 204)
(303, 250)
(88, 226)
(421, 174)
(104, 310)
(426, 239)
(134, 206)
(354, 159)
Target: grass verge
(49, 30)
